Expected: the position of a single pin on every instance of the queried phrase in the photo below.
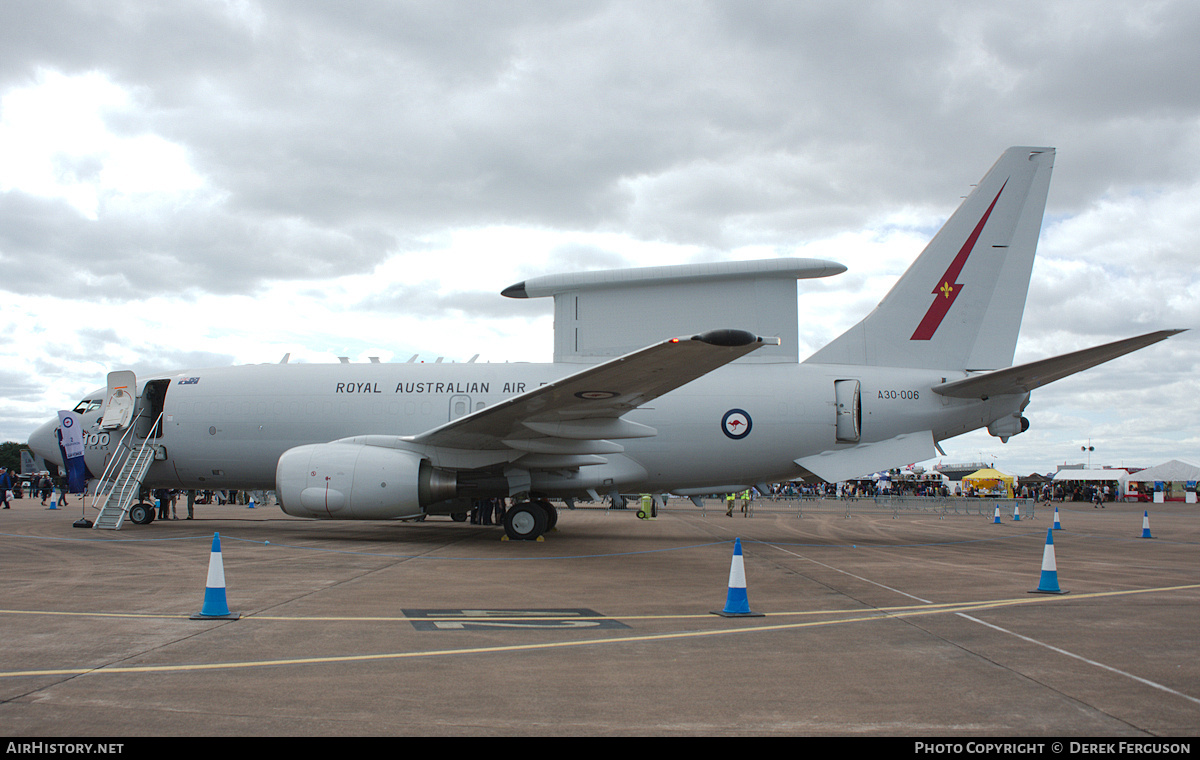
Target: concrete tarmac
(873, 625)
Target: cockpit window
(89, 405)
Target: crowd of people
(1095, 493)
(14, 486)
(491, 511)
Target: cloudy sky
(204, 183)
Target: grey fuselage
(227, 427)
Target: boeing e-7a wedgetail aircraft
(661, 382)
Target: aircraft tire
(141, 514)
(525, 522)
(459, 516)
(551, 513)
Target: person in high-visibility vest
(745, 502)
(729, 497)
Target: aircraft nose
(44, 442)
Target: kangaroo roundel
(736, 423)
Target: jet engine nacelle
(1008, 426)
(356, 482)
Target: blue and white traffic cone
(54, 499)
(215, 607)
(996, 519)
(1016, 513)
(1049, 581)
(1057, 524)
(251, 503)
(1146, 525)
(737, 604)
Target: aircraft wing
(1025, 377)
(579, 414)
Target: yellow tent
(988, 480)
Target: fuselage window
(88, 405)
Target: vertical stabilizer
(959, 305)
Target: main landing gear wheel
(141, 514)
(551, 513)
(525, 522)
(458, 516)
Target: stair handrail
(113, 460)
(133, 466)
(137, 455)
(104, 477)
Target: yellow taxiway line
(856, 616)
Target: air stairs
(119, 486)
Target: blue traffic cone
(996, 519)
(737, 604)
(1146, 525)
(215, 606)
(1049, 581)
(54, 499)
(1016, 513)
(1057, 524)
(251, 503)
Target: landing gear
(141, 514)
(551, 513)
(526, 521)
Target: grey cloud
(721, 124)
(46, 246)
(155, 359)
(426, 301)
(18, 385)
(580, 257)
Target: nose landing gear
(141, 513)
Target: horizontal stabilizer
(855, 462)
(1025, 377)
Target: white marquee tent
(1178, 481)
(1095, 478)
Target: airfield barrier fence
(896, 506)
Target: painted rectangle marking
(508, 619)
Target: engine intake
(357, 482)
